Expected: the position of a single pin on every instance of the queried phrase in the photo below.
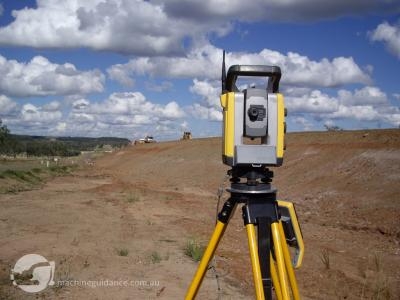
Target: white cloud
(156, 27)
(299, 100)
(184, 126)
(129, 109)
(171, 111)
(131, 115)
(52, 106)
(313, 102)
(127, 114)
(209, 91)
(40, 77)
(295, 91)
(368, 104)
(80, 104)
(199, 111)
(170, 40)
(134, 27)
(141, 120)
(30, 118)
(214, 114)
(121, 103)
(273, 10)
(81, 118)
(329, 124)
(368, 95)
(118, 73)
(159, 87)
(205, 113)
(362, 113)
(7, 106)
(304, 123)
(61, 127)
(205, 62)
(389, 35)
(363, 104)
(31, 114)
(393, 119)
(208, 107)
(300, 70)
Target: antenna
(223, 75)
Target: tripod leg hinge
(226, 211)
(259, 209)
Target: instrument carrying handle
(272, 72)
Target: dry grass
(325, 257)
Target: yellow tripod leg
(208, 254)
(288, 263)
(275, 279)
(255, 261)
(280, 261)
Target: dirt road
(126, 221)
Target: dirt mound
(346, 187)
(131, 215)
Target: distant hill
(61, 146)
(77, 143)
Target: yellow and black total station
(253, 140)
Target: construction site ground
(131, 214)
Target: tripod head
(250, 180)
(253, 119)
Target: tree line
(12, 144)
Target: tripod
(277, 227)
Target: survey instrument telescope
(253, 118)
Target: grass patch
(15, 174)
(155, 257)
(60, 169)
(32, 175)
(168, 197)
(26, 177)
(23, 176)
(123, 252)
(381, 289)
(37, 170)
(377, 261)
(133, 197)
(194, 250)
(14, 189)
(34, 178)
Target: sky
(130, 68)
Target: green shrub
(194, 250)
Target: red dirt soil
(151, 199)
